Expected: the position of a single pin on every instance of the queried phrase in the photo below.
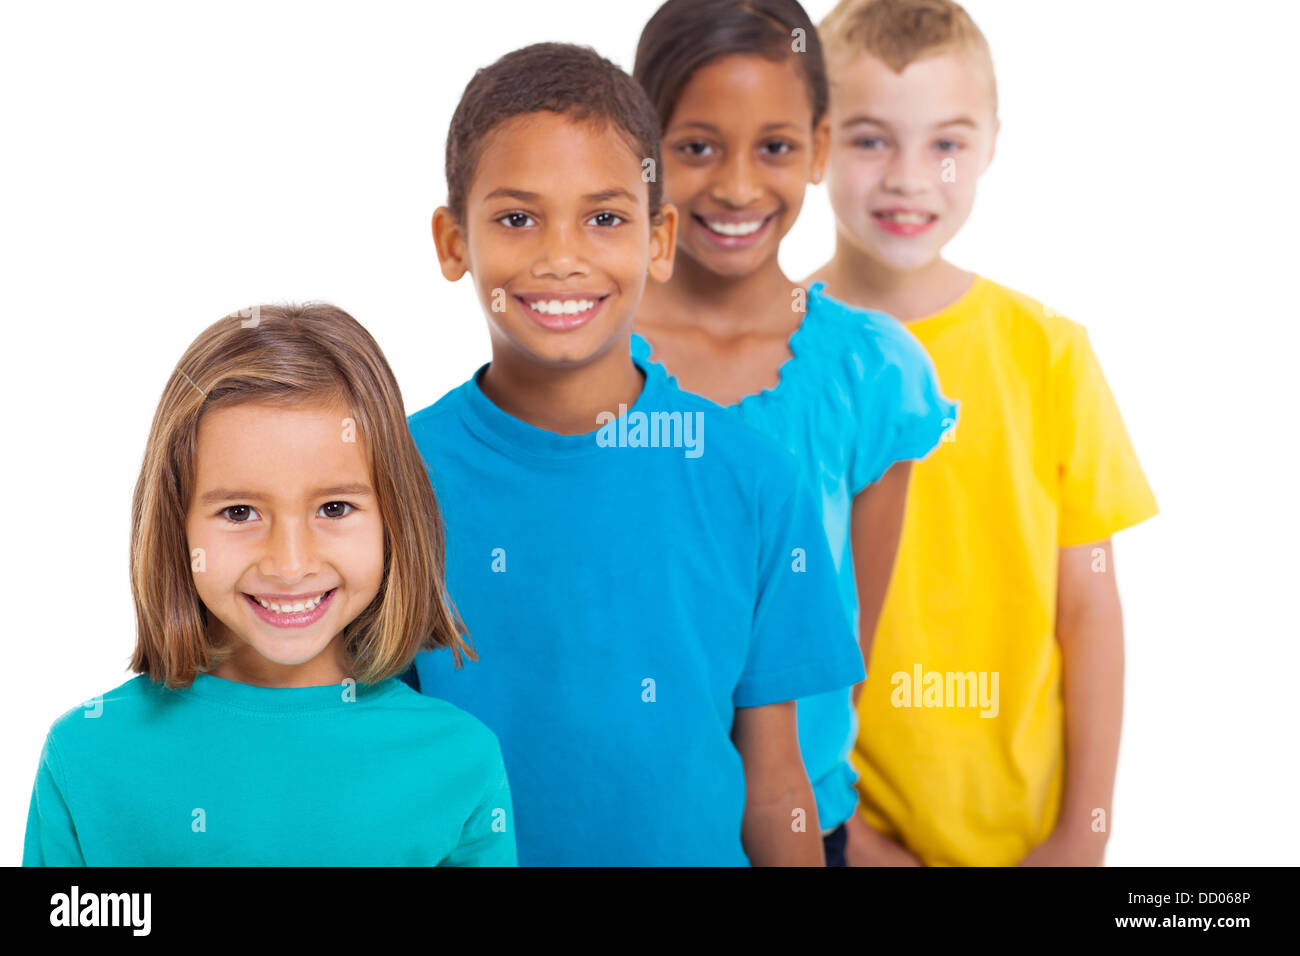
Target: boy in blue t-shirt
(645, 580)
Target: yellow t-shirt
(1039, 460)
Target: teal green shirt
(228, 774)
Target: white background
(162, 167)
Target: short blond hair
(900, 32)
(288, 355)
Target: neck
(565, 400)
(910, 294)
(723, 305)
(247, 666)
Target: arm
(488, 838)
(876, 531)
(51, 836)
(776, 785)
(877, 527)
(1090, 630)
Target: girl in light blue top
(286, 565)
(741, 91)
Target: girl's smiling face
(739, 150)
(285, 513)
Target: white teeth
(297, 607)
(735, 228)
(908, 218)
(564, 307)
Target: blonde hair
(287, 355)
(900, 32)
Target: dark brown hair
(684, 35)
(287, 355)
(560, 77)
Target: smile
(905, 222)
(291, 606)
(735, 228)
(562, 313)
(734, 233)
(298, 611)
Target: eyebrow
(862, 118)
(766, 127)
(525, 196)
(227, 494)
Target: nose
(561, 255)
(737, 181)
(909, 172)
(290, 553)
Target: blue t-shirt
(626, 590)
(859, 394)
(228, 774)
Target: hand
(1057, 850)
(868, 847)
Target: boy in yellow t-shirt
(990, 718)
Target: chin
(579, 346)
(733, 267)
(290, 660)
(900, 259)
(566, 360)
(558, 355)
(910, 261)
(289, 650)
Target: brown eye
(238, 514)
(329, 506)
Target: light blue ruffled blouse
(858, 394)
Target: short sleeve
(802, 642)
(51, 838)
(901, 412)
(488, 837)
(1103, 488)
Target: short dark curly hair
(561, 77)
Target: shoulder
(446, 723)
(878, 366)
(1026, 318)
(113, 714)
(436, 418)
(863, 342)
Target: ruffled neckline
(797, 344)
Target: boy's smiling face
(285, 512)
(558, 238)
(739, 152)
(906, 153)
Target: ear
(449, 240)
(821, 149)
(663, 243)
